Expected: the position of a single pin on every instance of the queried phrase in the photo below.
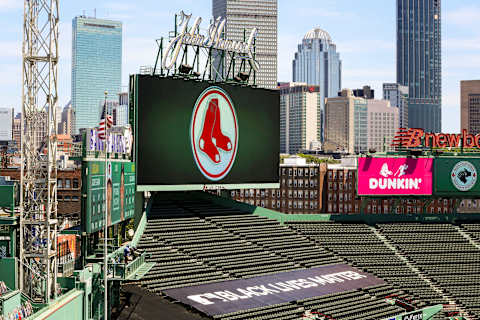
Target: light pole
(105, 227)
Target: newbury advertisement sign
(395, 176)
(414, 137)
(231, 296)
(212, 40)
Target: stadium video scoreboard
(192, 134)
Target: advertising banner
(120, 193)
(457, 177)
(243, 294)
(197, 133)
(394, 176)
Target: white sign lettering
(213, 40)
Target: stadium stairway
(445, 255)
(414, 257)
(196, 241)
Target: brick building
(316, 188)
(69, 186)
(301, 188)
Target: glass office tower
(419, 61)
(317, 62)
(96, 67)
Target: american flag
(101, 126)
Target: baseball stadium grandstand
(196, 239)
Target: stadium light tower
(38, 196)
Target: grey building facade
(398, 97)
(244, 15)
(419, 60)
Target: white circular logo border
(459, 165)
(192, 138)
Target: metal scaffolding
(38, 196)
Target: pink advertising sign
(394, 176)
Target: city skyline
(368, 52)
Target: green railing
(133, 266)
(123, 271)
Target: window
(59, 183)
(300, 205)
(75, 198)
(59, 197)
(294, 183)
(294, 204)
(67, 198)
(75, 183)
(289, 193)
(278, 203)
(67, 183)
(295, 193)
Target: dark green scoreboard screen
(199, 133)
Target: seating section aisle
(447, 257)
(441, 254)
(362, 248)
(196, 242)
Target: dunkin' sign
(394, 176)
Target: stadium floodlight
(243, 76)
(185, 68)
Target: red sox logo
(214, 133)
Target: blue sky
(364, 34)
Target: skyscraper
(470, 106)
(300, 115)
(419, 60)
(398, 97)
(244, 15)
(317, 63)
(96, 67)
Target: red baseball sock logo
(212, 136)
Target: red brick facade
(69, 185)
(316, 189)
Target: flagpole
(105, 227)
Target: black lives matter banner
(198, 133)
(236, 295)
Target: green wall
(69, 306)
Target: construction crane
(38, 178)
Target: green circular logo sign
(464, 176)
